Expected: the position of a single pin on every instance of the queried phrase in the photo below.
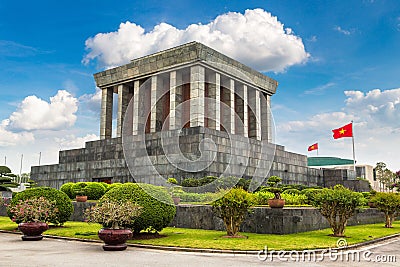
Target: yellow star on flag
(342, 131)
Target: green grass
(195, 238)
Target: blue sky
(346, 68)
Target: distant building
(346, 167)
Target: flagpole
(354, 152)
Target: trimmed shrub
(261, 197)
(111, 186)
(155, 215)
(94, 191)
(310, 193)
(337, 205)
(292, 191)
(67, 189)
(190, 182)
(105, 186)
(294, 199)
(232, 208)
(389, 204)
(63, 203)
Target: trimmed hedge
(156, 215)
(63, 203)
(94, 191)
(67, 189)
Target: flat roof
(182, 55)
(327, 161)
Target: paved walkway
(58, 252)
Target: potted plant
(277, 201)
(32, 216)
(114, 216)
(174, 188)
(80, 195)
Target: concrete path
(57, 252)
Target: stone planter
(81, 198)
(276, 203)
(32, 230)
(114, 238)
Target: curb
(219, 251)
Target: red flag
(345, 131)
(313, 147)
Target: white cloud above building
(255, 38)
(34, 113)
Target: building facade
(188, 111)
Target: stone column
(269, 119)
(214, 112)
(106, 113)
(138, 121)
(245, 112)
(123, 101)
(264, 117)
(153, 114)
(197, 80)
(232, 105)
(175, 99)
(258, 115)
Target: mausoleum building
(188, 111)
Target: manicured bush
(195, 197)
(294, 199)
(337, 205)
(389, 204)
(156, 213)
(63, 203)
(310, 193)
(262, 197)
(190, 182)
(291, 191)
(94, 191)
(232, 208)
(105, 185)
(67, 189)
(113, 185)
(172, 180)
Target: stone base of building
(104, 160)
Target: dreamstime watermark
(169, 148)
(330, 254)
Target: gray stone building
(188, 111)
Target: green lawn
(195, 238)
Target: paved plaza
(58, 252)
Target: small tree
(337, 205)
(273, 182)
(232, 208)
(389, 204)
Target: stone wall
(267, 220)
(104, 159)
(263, 220)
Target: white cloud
(376, 116)
(72, 142)
(255, 38)
(9, 138)
(92, 102)
(378, 108)
(319, 90)
(36, 114)
(343, 31)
